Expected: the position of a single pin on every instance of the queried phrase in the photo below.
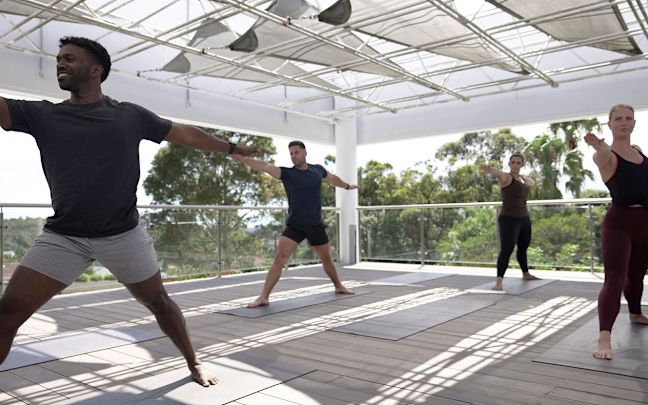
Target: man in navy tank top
(303, 185)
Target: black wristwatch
(232, 148)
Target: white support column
(346, 141)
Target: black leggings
(513, 231)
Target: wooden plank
(21, 388)
(590, 398)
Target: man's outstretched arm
(259, 165)
(5, 118)
(196, 138)
(338, 182)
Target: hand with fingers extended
(485, 168)
(593, 140)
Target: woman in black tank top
(514, 224)
(624, 234)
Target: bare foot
(604, 350)
(529, 276)
(498, 284)
(639, 318)
(343, 290)
(259, 302)
(202, 376)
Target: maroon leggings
(624, 240)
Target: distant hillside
(19, 235)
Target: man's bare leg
(286, 248)
(27, 291)
(498, 284)
(604, 350)
(151, 294)
(324, 253)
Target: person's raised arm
(5, 118)
(338, 182)
(502, 177)
(602, 151)
(259, 165)
(196, 138)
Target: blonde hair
(618, 107)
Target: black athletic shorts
(315, 234)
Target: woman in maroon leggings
(624, 234)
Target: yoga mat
(510, 286)
(400, 324)
(409, 278)
(290, 304)
(629, 349)
(72, 344)
(239, 375)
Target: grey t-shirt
(90, 156)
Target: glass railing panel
(19, 227)
(190, 241)
(462, 235)
(390, 234)
(566, 234)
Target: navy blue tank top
(629, 183)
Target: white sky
(22, 179)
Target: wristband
(347, 187)
(232, 148)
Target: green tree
(573, 158)
(188, 240)
(556, 154)
(378, 184)
(481, 147)
(544, 154)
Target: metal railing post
(422, 226)
(338, 245)
(590, 221)
(220, 243)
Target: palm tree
(545, 155)
(573, 168)
(573, 159)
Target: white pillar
(346, 141)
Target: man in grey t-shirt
(89, 149)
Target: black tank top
(514, 197)
(629, 183)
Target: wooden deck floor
(484, 357)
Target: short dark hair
(98, 52)
(297, 143)
(517, 154)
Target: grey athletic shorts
(130, 256)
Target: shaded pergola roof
(400, 68)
